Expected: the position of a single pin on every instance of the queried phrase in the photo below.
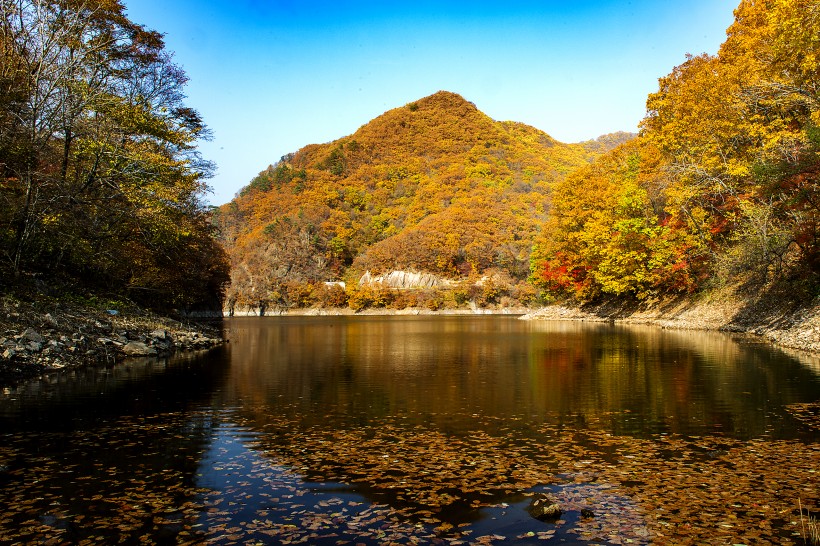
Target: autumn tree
(101, 174)
(739, 132)
(722, 180)
(608, 232)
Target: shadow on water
(107, 455)
(136, 386)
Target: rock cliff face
(404, 279)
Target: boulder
(161, 339)
(542, 508)
(137, 348)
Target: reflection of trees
(643, 380)
(439, 418)
(631, 380)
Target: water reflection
(81, 399)
(371, 429)
(637, 380)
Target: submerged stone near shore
(544, 509)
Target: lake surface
(445, 429)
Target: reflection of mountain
(627, 380)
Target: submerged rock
(542, 508)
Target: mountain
(434, 186)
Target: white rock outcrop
(404, 279)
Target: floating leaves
(808, 413)
(262, 476)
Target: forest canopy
(100, 176)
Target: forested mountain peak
(433, 186)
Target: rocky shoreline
(38, 338)
(788, 326)
(382, 312)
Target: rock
(160, 339)
(105, 326)
(35, 347)
(138, 348)
(542, 508)
(29, 334)
(403, 279)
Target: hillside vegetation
(434, 186)
(721, 186)
(719, 189)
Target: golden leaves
(263, 477)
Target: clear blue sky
(270, 76)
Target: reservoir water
(420, 430)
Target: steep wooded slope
(434, 186)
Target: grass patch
(809, 526)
